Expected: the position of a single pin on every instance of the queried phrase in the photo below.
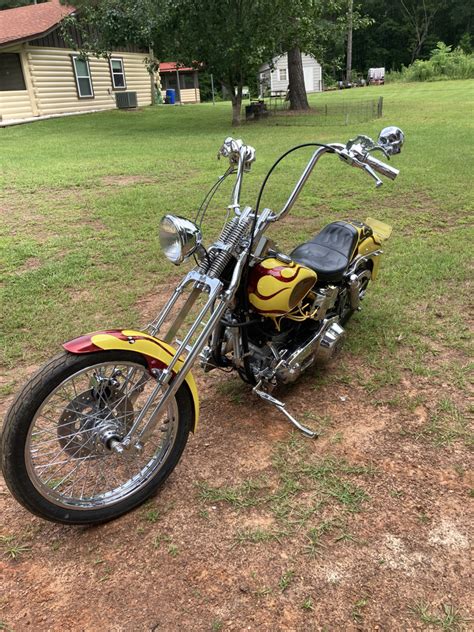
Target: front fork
(169, 380)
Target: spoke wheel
(57, 457)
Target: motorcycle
(98, 429)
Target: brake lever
(348, 157)
(371, 172)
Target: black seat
(329, 252)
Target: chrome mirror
(232, 148)
(391, 140)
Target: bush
(444, 63)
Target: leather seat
(329, 252)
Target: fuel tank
(276, 288)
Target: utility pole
(212, 88)
(349, 43)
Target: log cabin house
(41, 75)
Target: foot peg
(281, 407)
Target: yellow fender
(157, 353)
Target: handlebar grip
(381, 167)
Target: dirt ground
(365, 528)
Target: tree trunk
(349, 44)
(298, 98)
(236, 104)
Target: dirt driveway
(365, 528)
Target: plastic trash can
(171, 96)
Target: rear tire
(55, 456)
(346, 312)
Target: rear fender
(158, 354)
(372, 243)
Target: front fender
(158, 354)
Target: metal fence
(342, 112)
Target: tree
(391, 39)
(231, 38)
(314, 27)
(228, 38)
(420, 16)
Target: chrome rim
(67, 451)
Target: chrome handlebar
(355, 153)
(381, 167)
(240, 158)
(356, 156)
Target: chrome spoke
(66, 452)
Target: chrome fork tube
(171, 333)
(154, 327)
(167, 379)
(178, 378)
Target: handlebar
(381, 167)
(355, 153)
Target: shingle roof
(25, 23)
(170, 66)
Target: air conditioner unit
(126, 100)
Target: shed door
(308, 78)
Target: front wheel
(56, 456)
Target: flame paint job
(158, 354)
(275, 288)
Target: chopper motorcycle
(100, 427)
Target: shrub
(444, 63)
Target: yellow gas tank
(275, 288)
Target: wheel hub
(89, 423)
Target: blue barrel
(171, 96)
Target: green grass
(448, 424)
(305, 497)
(12, 547)
(446, 617)
(82, 198)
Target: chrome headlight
(179, 238)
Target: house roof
(172, 66)
(34, 20)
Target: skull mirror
(391, 140)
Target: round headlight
(179, 238)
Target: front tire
(56, 456)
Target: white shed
(273, 77)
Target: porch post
(178, 87)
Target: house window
(117, 72)
(282, 74)
(83, 78)
(11, 73)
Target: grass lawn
(81, 199)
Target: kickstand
(281, 407)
